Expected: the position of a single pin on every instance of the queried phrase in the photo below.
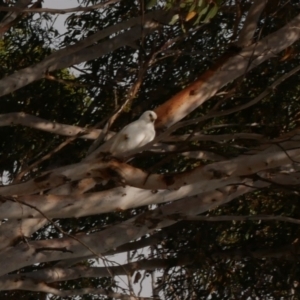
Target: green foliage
(198, 10)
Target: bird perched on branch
(135, 134)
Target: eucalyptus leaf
(174, 19)
(212, 12)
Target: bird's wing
(146, 136)
(120, 143)
(123, 138)
(134, 135)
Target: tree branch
(136, 227)
(250, 25)
(21, 118)
(78, 53)
(226, 70)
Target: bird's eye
(151, 117)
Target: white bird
(135, 134)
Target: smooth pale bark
(243, 165)
(55, 178)
(181, 210)
(15, 230)
(209, 175)
(269, 157)
(74, 206)
(199, 180)
(65, 248)
(21, 118)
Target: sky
(59, 24)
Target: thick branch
(206, 178)
(225, 71)
(101, 242)
(91, 203)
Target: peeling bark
(225, 70)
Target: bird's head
(149, 116)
